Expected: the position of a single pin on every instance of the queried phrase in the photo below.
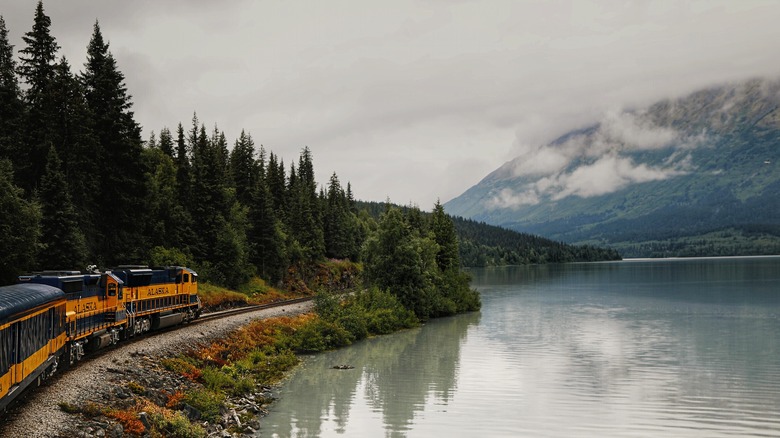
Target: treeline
(482, 245)
(79, 186)
(487, 245)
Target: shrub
(129, 421)
(217, 380)
(208, 402)
(320, 335)
(186, 366)
(174, 424)
(136, 388)
(69, 408)
(215, 297)
(174, 400)
(354, 322)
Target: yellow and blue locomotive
(55, 315)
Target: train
(51, 319)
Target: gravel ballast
(40, 414)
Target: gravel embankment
(41, 416)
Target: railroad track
(246, 309)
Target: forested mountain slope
(692, 176)
(481, 244)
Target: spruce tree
(243, 167)
(166, 142)
(63, 245)
(169, 226)
(443, 229)
(36, 68)
(76, 145)
(183, 172)
(11, 106)
(336, 221)
(122, 176)
(304, 217)
(276, 178)
(20, 223)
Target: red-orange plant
(174, 400)
(129, 420)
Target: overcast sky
(409, 100)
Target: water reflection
(641, 348)
(394, 381)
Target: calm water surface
(677, 348)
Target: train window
(186, 278)
(72, 286)
(6, 339)
(194, 278)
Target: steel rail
(246, 309)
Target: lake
(644, 348)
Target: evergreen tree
(169, 225)
(243, 168)
(397, 259)
(11, 106)
(304, 220)
(266, 235)
(337, 221)
(166, 142)
(122, 177)
(37, 70)
(446, 238)
(63, 243)
(183, 172)
(152, 142)
(77, 146)
(20, 223)
(276, 179)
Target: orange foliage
(174, 400)
(258, 334)
(129, 420)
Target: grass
(255, 291)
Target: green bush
(176, 425)
(320, 335)
(265, 367)
(208, 402)
(217, 379)
(354, 321)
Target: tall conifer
(11, 107)
(63, 242)
(243, 167)
(122, 178)
(37, 70)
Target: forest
(80, 186)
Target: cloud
(632, 132)
(379, 91)
(606, 175)
(609, 174)
(595, 161)
(507, 198)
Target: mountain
(696, 175)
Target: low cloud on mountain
(594, 162)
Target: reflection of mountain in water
(634, 336)
(392, 376)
